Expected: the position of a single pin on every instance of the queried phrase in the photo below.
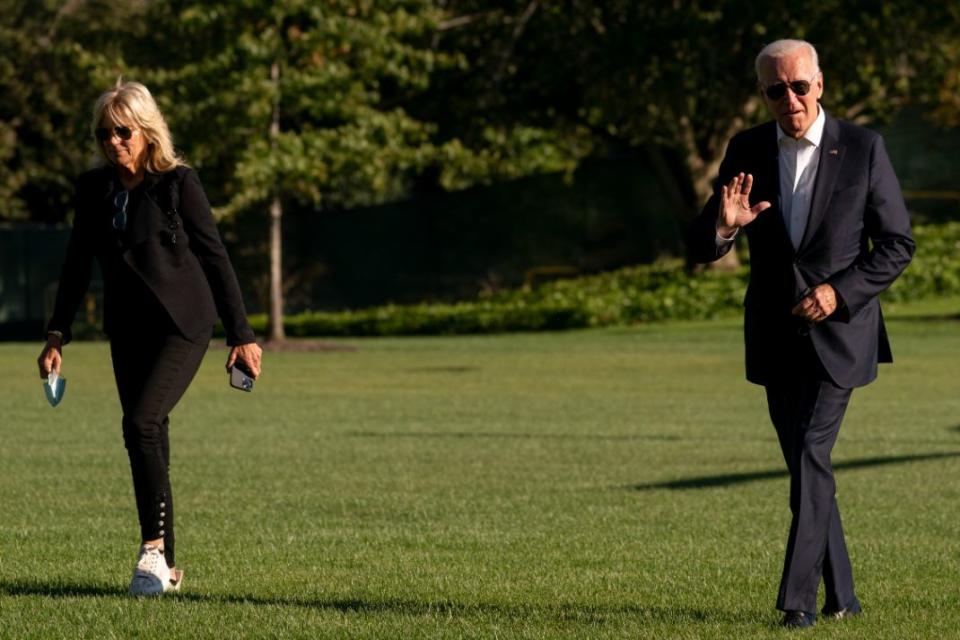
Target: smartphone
(240, 377)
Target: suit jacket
(857, 239)
(174, 249)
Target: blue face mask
(54, 387)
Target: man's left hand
(818, 304)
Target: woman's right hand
(51, 357)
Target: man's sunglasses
(799, 87)
(103, 134)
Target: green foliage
(642, 294)
(377, 97)
(662, 291)
(503, 153)
(432, 319)
(343, 72)
(677, 78)
(54, 59)
(935, 269)
(648, 293)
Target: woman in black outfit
(167, 278)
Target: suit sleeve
(76, 269)
(887, 224)
(703, 242)
(206, 244)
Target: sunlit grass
(591, 484)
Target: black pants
(153, 370)
(807, 412)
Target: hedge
(648, 293)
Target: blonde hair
(131, 104)
(782, 48)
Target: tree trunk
(687, 189)
(704, 189)
(276, 272)
(704, 163)
(277, 333)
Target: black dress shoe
(798, 619)
(853, 609)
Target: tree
(55, 57)
(342, 103)
(675, 80)
(297, 101)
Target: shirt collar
(814, 134)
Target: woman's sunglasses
(103, 134)
(799, 87)
(120, 210)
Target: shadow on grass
(564, 612)
(932, 317)
(726, 480)
(626, 437)
(443, 369)
(493, 435)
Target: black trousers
(806, 412)
(153, 369)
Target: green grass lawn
(616, 483)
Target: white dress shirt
(799, 160)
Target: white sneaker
(152, 576)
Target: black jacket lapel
(767, 187)
(144, 219)
(831, 159)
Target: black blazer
(191, 276)
(857, 239)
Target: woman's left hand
(249, 354)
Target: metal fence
(30, 261)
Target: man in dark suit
(828, 232)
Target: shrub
(935, 269)
(648, 293)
